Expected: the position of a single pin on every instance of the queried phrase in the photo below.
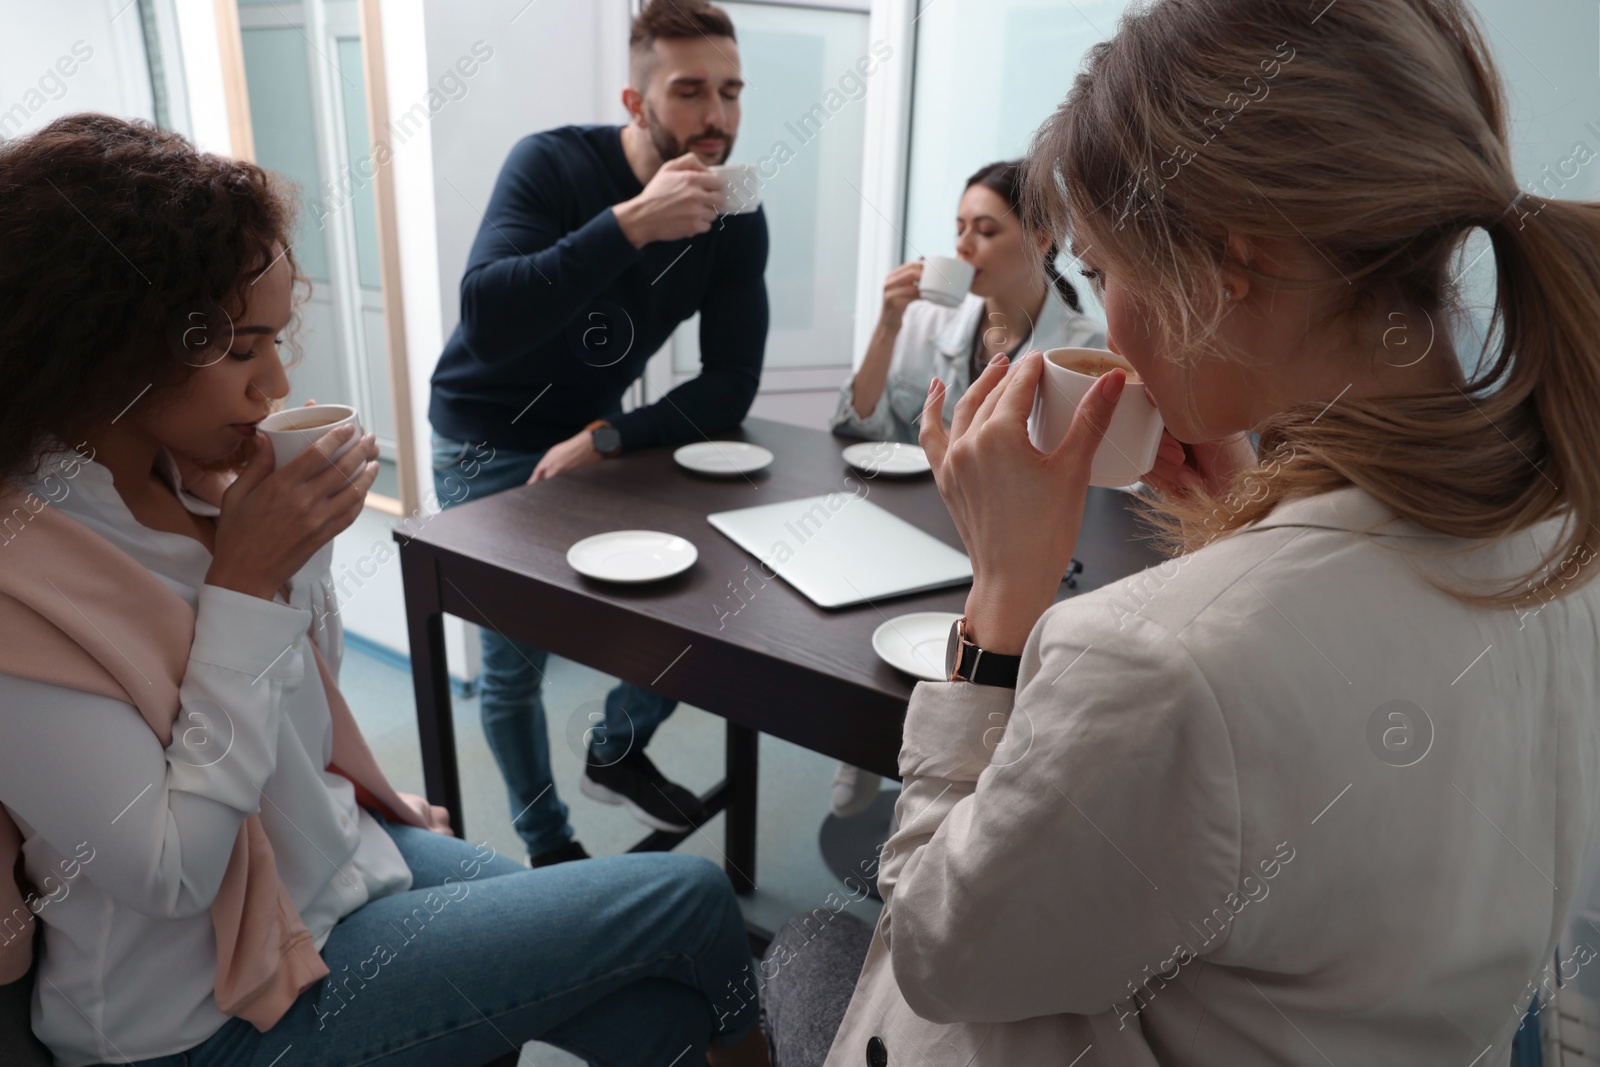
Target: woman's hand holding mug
(1018, 510)
(902, 286)
(272, 522)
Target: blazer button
(877, 1054)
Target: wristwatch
(606, 438)
(964, 661)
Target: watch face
(952, 650)
(606, 439)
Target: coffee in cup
(294, 430)
(945, 280)
(326, 419)
(741, 187)
(1094, 363)
(1128, 450)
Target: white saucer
(632, 556)
(915, 643)
(887, 457)
(722, 457)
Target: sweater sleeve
(733, 342)
(529, 272)
(1053, 840)
(161, 823)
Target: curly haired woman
(221, 872)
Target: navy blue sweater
(559, 313)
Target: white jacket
(936, 341)
(1273, 802)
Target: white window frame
(885, 172)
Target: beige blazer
(1277, 801)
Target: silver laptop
(838, 549)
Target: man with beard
(597, 242)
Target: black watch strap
(965, 661)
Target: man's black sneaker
(634, 782)
(563, 853)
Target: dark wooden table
(719, 636)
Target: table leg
(743, 765)
(430, 679)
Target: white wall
(115, 78)
(552, 65)
(61, 58)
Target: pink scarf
(80, 613)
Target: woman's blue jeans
(513, 671)
(621, 960)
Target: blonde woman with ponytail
(1319, 789)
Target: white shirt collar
(167, 467)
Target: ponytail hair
(1376, 133)
(1005, 180)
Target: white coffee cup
(741, 187)
(1128, 451)
(294, 430)
(945, 280)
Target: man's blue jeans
(622, 960)
(513, 671)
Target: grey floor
(794, 785)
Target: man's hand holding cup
(681, 200)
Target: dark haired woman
(220, 869)
(1018, 302)
(1014, 306)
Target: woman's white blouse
(936, 342)
(129, 964)
(1277, 801)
